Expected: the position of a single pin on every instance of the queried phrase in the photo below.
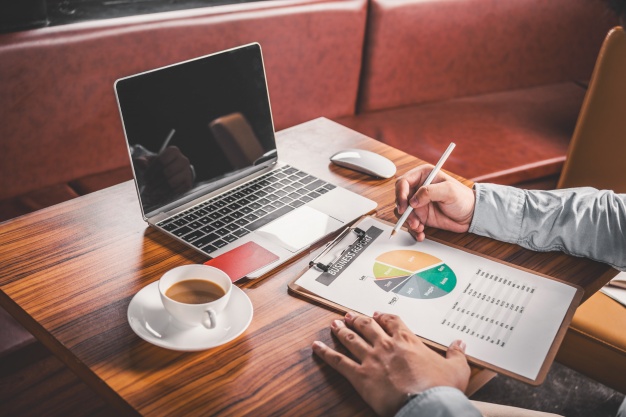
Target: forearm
(582, 222)
(439, 402)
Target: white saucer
(149, 319)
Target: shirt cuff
(498, 212)
(439, 402)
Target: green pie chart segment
(440, 276)
(413, 274)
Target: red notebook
(243, 260)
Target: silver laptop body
(201, 142)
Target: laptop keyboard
(230, 216)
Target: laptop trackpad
(299, 228)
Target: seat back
(421, 51)
(597, 153)
(60, 120)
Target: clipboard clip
(360, 235)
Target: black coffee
(195, 291)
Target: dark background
(16, 15)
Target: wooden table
(68, 274)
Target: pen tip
(393, 233)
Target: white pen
(429, 179)
(167, 140)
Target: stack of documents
(616, 289)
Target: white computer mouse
(365, 161)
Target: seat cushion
(595, 343)
(506, 137)
(35, 200)
(95, 182)
(58, 193)
(12, 335)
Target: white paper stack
(616, 289)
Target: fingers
(419, 236)
(456, 346)
(417, 175)
(458, 363)
(435, 193)
(142, 162)
(366, 327)
(341, 363)
(402, 194)
(407, 193)
(416, 226)
(391, 324)
(170, 154)
(456, 352)
(414, 222)
(407, 184)
(352, 341)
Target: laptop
(201, 142)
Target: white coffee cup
(205, 314)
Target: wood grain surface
(68, 273)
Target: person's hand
(444, 204)
(390, 362)
(176, 169)
(169, 170)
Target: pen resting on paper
(429, 179)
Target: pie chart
(413, 274)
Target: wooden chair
(595, 344)
(597, 151)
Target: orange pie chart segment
(408, 260)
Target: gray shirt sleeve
(578, 221)
(439, 402)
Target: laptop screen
(196, 126)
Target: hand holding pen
(433, 198)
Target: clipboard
(350, 237)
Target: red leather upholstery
(527, 129)
(59, 116)
(35, 200)
(496, 77)
(58, 193)
(421, 51)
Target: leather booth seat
(60, 192)
(595, 343)
(506, 137)
(61, 124)
(497, 78)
